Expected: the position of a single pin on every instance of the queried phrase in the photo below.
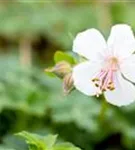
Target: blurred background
(30, 33)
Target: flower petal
(121, 40)
(83, 75)
(89, 43)
(127, 68)
(124, 93)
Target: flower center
(104, 80)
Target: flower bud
(68, 83)
(60, 69)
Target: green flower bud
(60, 69)
(68, 83)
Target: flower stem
(103, 110)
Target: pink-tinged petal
(124, 93)
(89, 44)
(83, 75)
(127, 68)
(121, 40)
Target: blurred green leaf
(82, 110)
(65, 146)
(5, 148)
(61, 56)
(49, 72)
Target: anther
(96, 84)
(112, 88)
(110, 83)
(103, 90)
(95, 79)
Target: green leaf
(37, 142)
(61, 56)
(5, 148)
(65, 146)
(49, 72)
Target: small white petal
(122, 40)
(124, 93)
(127, 68)
(89, 44)
(83, 75)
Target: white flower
(110, 66)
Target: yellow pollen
(95, 79)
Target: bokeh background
(30, 33)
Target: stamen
(110, 83)
(103, 90)
(96, 84)
(104, 80)
(95, 79)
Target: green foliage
(49, 72)
(50, 19)
(61, 56)
(29, 100)
(58, 23)
(22, 89)
(37, 142)
(31, 94)
(65, 146)
(5, 148)
(81, 110)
